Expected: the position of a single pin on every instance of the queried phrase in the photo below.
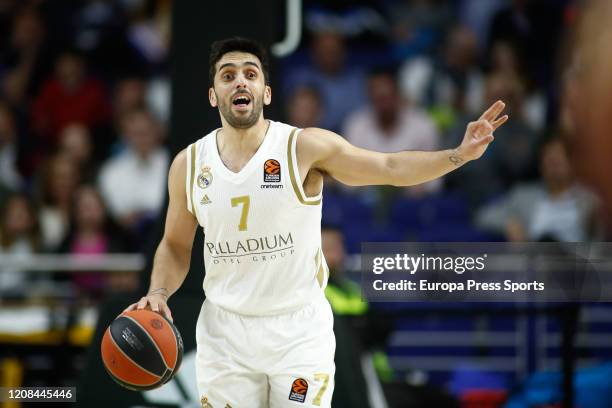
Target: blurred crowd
(84, 101)
(410, 74)
(84, 105)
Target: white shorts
(285, 360)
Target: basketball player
(264, 333)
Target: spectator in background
(27, 60)
(133, 93)
(477, 15)
(59, 179)
(341, 86)
(10, 178)
(505, 61)
(554, 209)
(76, 144)
(149, 30)
(514, 152)
(305, 108)
(512, 158)
(92, 233)
(69, 96)
(99, 30)
(19, 236)
(533, 27)
(388, 124)
(452, 87)
(141, 167)
(129, 95)
(418, 25)
(343, 294)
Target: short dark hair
(236, 44)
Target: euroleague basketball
(141, 350)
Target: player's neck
(243, 139)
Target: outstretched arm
(173, 255)
(332, 154)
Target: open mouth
(241, 101)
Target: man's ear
(267, 95)
(212, 97)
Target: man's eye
(227, 77)
(252, 75)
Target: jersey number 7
(246, 202)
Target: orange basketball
(141, 350)
(272, 166)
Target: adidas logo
(205, 200)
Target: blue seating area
(460, 350)
(341, 210)
(430, 211)
(434, 218)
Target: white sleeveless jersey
(262, 235)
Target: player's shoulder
(179, 163)
(317, 137)
(315, 132)
(315, 144)
(181, 159)
(281, 128)
(196, 146)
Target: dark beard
(242, 122)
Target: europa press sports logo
(299, 388)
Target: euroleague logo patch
(299, 388)
(272, 171)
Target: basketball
(141, 350)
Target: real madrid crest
(204, 402)
(205, 177)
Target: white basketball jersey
(262, 235)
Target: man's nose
(241, 81)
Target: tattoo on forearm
(455, 159)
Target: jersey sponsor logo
(272, 171)
(299, 388)
(266, 244)
(205, 200)
(205, 177)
